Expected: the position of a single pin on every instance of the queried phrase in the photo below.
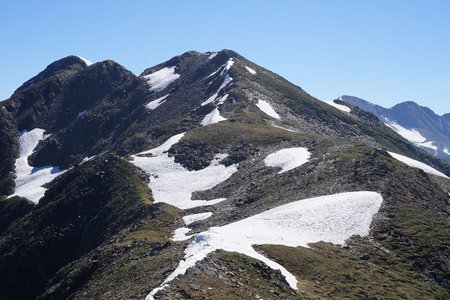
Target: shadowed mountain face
(446, 118)
(205, 143)
(416, 123)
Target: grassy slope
(83, 209)
(326, 271)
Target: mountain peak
(213, 145)
(69, 64)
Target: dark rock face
(8, 151)
(97, 235)
(62, 68)
(83, 209)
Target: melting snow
(81, 113)
(168, 179)
(86, 61)
(155, 103)
(212, 55)
(223, 68)
(428, 144)
(333, 218)
(417, 164)
(228, 66)
(213, 118)
(250, 70)
(180, 234)
(222, 99)
(339, 106)
(159, 80)
(288, 159)
(196, 217)
(225, 82)
(29, 180)
(411, 135)
(265, 107)
(86, 159)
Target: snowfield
(288, 158)
(196, 217)
(428, 145)
(157, 102)
(159, 80)
(446, 151)
(213, 118)
(223, 69)
(338, 106)
(333, 218)
(227, 80)
(86, 61)
(411, 135)
(228, 66)
(180, 234)
(212, 55)
(417, 164)
(168, 178)
(29, 180)
(266, 108)
(250, 70)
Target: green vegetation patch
(326, 271)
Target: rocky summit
(210, 177)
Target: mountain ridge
(419, 124)
(118, 220)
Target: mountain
(446, 118)
(208, 176)
(418, 124)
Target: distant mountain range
(418, 124)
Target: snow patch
(266, 108)
(228, 66)
(411, 135)
(218, 158)
(189, 219)
(333, 218)
(213, 118)
(165, 146)
(212, 55)
(86, 61)
(159, 80)
(428, 145)
(86, 159)
(227, 80)
(339, 106)
(157, 102)
(417, 164)
(250, 70)
(288, 158)
(171, 183)
(221, 100)
(81, 113)
(180, 234)
(29, 180)
(446, 151)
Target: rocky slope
(418, 124)
(211, 144)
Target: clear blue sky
(383, 51)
